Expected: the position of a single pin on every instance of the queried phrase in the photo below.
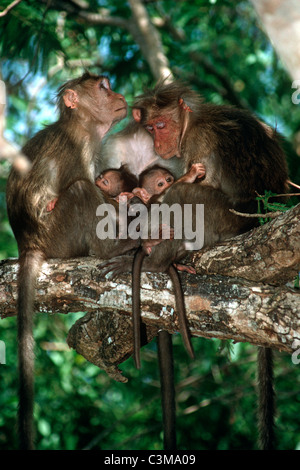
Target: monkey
(153, 182)
(52, 209)
(241, 158)
(115, 181)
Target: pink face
(166, 136)
(165, 131)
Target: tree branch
(218, 306)
(148, 38)
(270, 253)
(280, 20)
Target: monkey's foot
(50, 206)
(113, 267)
(184, 268)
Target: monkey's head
(115, 181)
(156, 180)
(91, 100)
(165, 113)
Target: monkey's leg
(266, 399)
(166, 367)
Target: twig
(268, 214)
(9, 7)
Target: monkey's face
(96, 102)
(109, 102)
(158, 182)
(110, 182)
(166, 133)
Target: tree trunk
(219, 304)
(281, 21)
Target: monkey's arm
(197, 170)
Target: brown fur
(62, 156)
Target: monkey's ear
(184, 106)
(70, 98)
(137, 114)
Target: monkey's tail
(266, 399)
(29, 266)
(136, 318)
(180, 308)
(166, 368)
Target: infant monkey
(113, 182)
(155, 180)
(152, 182)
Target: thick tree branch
(280, 20)
(217, 306)
(149, 41)
(269, 254)
(139, 26)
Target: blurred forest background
(219, 47)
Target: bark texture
(230, 301)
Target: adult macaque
(52, 209)
(241, 158)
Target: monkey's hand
(197, 170)
(113, 267)
(124, 195)
(142, 194)
(184, 268)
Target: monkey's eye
(169, 179)
(149, 128)
(160, 125)
(160, 184)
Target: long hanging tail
(166, 368)
(29, 268)
(180, 307)
(266, 399)
(136, 319)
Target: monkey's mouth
(168, 155)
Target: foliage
(79, 407)
(219, 48)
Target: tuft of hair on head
(130, 181)
(168, 96)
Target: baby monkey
(113, 181)
(154, 181)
